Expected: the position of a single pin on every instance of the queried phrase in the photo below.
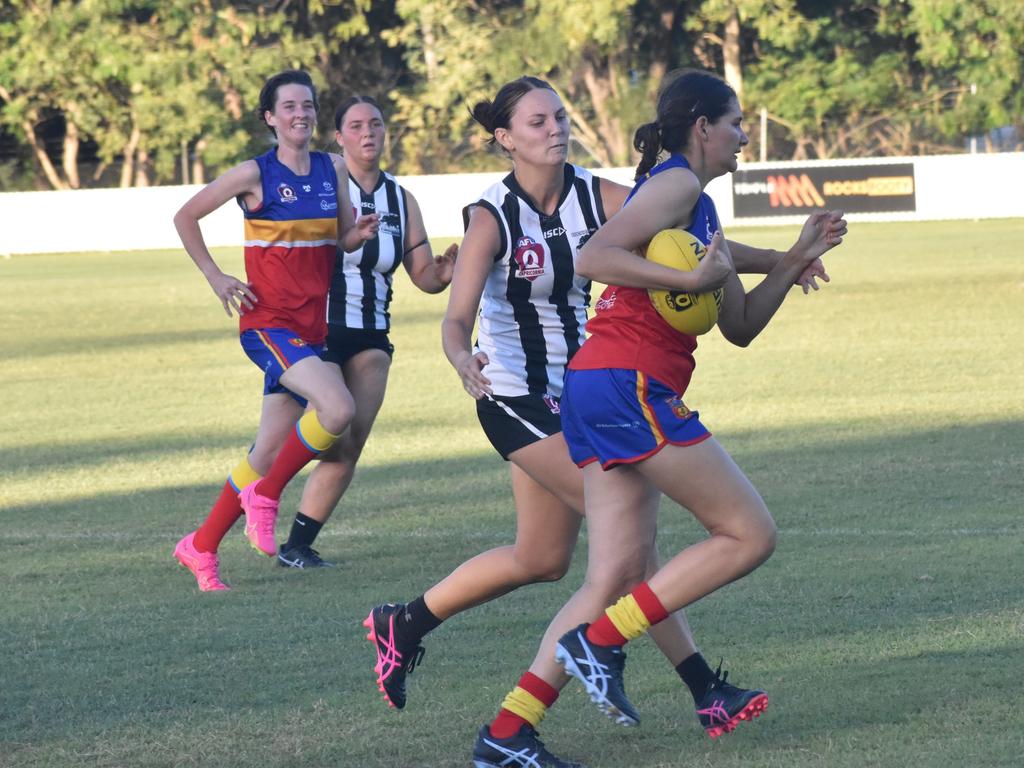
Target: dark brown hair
(498, 113)
(351, 101)
(268, 94)
(685, 96)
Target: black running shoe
(301, 557)
(724, 706)
(524, 750)
(394, 659)
(599, 668)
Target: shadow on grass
(62, 346)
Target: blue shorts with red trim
(620, 416)
(275, 350)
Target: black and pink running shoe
(394, 659)
(725, 706)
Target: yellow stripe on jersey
(297, 233)
(641, 395)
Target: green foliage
(163, 91)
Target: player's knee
(547, 567)
(759, 540)
(335, 412)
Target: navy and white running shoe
(523, 750)
(599, 668)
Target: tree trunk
(70, 154)
(49, 170)
(731, 55)
(128, 153)
(198, 168)
(429, 45)
(141, 162)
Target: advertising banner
(866, 188)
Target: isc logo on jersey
(529, 256)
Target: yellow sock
(524, 704)
(628, 618)
(313, 433)
(243, 474)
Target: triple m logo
(793, 191)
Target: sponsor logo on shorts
(287, 193)
(678, 407)
(623, 425)
(529, 256)
(605, 304)
(552, 403)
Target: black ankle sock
(696, 674)
(304, 531)
(417, 620)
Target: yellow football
(688, 313)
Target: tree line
(139, 92)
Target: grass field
(882, 419)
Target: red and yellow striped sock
(526, 704)
(226, 510)
(629, 618)
(307, 441)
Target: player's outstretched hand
(233, 293)
(470, 370)
(822, 231)
(444, 265)
(716, 266)
(809, 277)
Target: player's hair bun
(483, 113)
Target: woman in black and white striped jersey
(358, 317)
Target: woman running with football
(297, 213)
(358, 319)
(516, 268)
(624, 419)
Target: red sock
(294, 455)
(508, 723)
(603, 632)
(226, 510)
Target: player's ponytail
(686, 95)
(496, 114)
(647, 141)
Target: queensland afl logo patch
(296, 342)
(287, 193)
(529, 256)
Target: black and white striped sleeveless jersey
(534, 305)
(361, 286)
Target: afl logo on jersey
(529, 256)
(287, 193)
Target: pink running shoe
(204, 565)
(260, 517)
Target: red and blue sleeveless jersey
(627, 331)
(290, 246)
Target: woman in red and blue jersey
(297, 213)
(624, 418)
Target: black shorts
(511, 423)
(345, 343)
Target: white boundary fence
(941, 187)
